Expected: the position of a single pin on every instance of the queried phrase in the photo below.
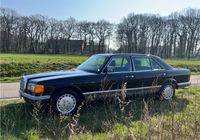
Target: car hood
(54, 74)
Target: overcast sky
(93, 10)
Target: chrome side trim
(184, 84)
(34, 98)
(118, 90)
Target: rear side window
(155, 65)
(142, 63)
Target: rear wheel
(167, 92)
(66, 102)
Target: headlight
(36, 88)
(31, 87)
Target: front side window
(119, 64)
(94, 63)
(141, 63)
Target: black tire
(27, 100)
(167, 92)
(60, 95)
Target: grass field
(14, 65)
(175, 62)
(193, 64)
(41, 58)
(61, 58)
(140, 119)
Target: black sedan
(104, 74)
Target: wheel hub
(168, 92)
(66, 103)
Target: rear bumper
(184, 84)
(32, 97)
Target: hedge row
(193, 68)
(18, 69)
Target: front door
(116, 74)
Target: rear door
(147, 75)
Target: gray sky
(93, 10)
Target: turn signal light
(39, 88)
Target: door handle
(164, 74)
(130, 76)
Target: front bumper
(184, 84)
(32, 97)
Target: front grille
(22, 84)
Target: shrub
(18, 69)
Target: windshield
(94, 63)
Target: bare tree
(177, 35)
(8, 20)
(103, 30)
(68, 28)
(84, 31)
(92, 37)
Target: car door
(147, 75)
(115, 74)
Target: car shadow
(96, 116)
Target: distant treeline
(177, 35)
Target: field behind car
(14, 65)
(137, 119)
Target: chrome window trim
(146, 70)
(117, 90)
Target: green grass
(15, 65)
(183, 62)
(10, 79)
(61, 58)
(178, 119)
(193, 64)
(41, 58)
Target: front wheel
(66, 102)
(167, 92)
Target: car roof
(124, 54)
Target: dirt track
(10, 90)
